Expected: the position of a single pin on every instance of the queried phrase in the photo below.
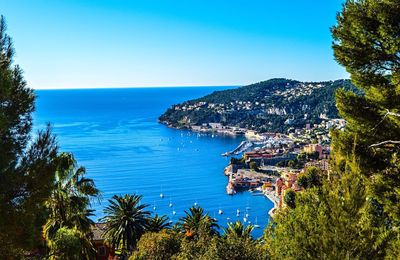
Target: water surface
(114, 133)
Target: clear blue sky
(128, 43)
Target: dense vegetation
(354, 212)
(351, 213)
(264, 106)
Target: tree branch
(384, 142)
(388, 113)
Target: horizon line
(136, 87)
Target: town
(271, 163)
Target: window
(102, 251)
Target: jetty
(243, 146)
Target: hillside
(272, 105)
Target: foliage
(158, 245)
(334, 221)
(26, 165)
(239, 248)
(126, 220)
(366, 43)
(253, 166)
(69, 201)
(237, 229)
(158, 223)
(354, 213)
(67, 244)
(196, 223)
(310, 178)
(290, 198)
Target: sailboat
(161, 194)
(256, 225)
(220, 212)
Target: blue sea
(115, 135)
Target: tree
(69, 202)
(126, 220)
(366, 43)
(239, 248)
(310, 178)
(290, 198)
(253, 166)
(157, 245)
(196, 223)
(334, 221)
(158, 223)
(67, 244)
(237, 229)
(26, 166)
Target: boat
(256, 225)
(173, 212)
(244, 219)
(162, 195)
(195, 204)
(170, 204)
(220, 212)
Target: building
(311, 148)
(103, 251)
(322, 164)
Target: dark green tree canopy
(26, 166)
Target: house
(103, 251)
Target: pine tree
(367, 44)
(26, 165)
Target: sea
(115, 135)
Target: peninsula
(275, 105)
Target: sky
(129, 43)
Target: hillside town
(275, 161)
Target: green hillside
(272, 105)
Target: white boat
(162, 195)
(173, 212)
(170, 204)
(220, 212)
(195, 204)
(256, 225)
(244, 219)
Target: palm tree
(196, 221)
(238, 230)
(158, 223)
(126, 220)
(68, 203)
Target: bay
(115, 135)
